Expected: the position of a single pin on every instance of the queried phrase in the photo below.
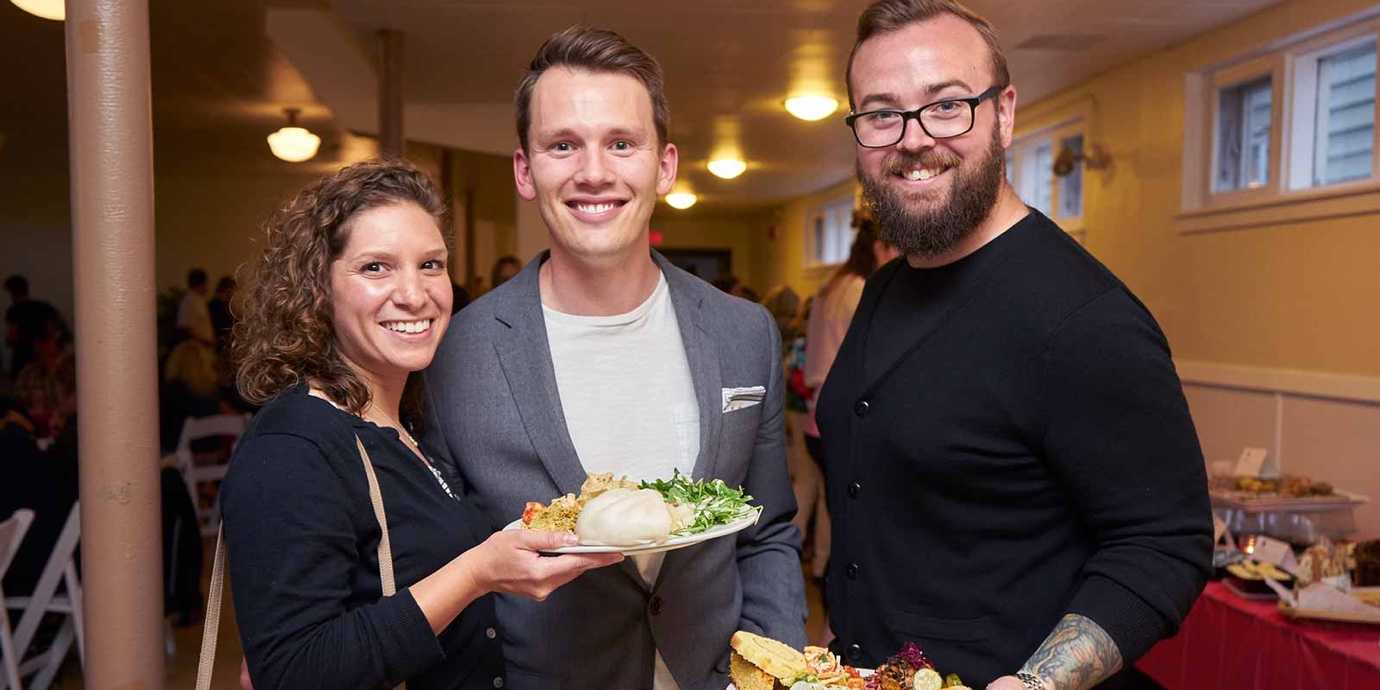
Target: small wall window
(1334, 130)
(829, 232)
(1071, 183)
(1288, 132)
(1243, 136)
(1046, 170)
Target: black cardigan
(1007, 441)
(303, 561)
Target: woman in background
(830, 313)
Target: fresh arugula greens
(716, 503)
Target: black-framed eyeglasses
(952, 117)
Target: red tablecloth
(1230, 643)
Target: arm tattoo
(1076, 656)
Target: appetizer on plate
(620, 512)
(1247, 579)
(1257, 570)
(910, 669)
(761, 663)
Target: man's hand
(1006, 683)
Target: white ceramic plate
(669, 545)
(864, 672)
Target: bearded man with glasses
(1020, 488)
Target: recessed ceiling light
(727, 168)
(812, 107)
(681, 200)
(48, 9)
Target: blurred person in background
(784, 305)
(504, 268)
(38, 386)
(830, 313)
(25, 320)
(222, 318)
(193, 313)
(44, 481)
(459, 296)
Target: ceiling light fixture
(812, 107)
(48, 9)
(727, 168)
(681, 200)
(292, 143)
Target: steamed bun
(624, 517)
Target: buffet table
(1230, 643)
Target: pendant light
(292, 143)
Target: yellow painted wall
(784, 257)
(741, 232)
(1293, 296)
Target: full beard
(932, 232)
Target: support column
(390, 93)
(111, 158)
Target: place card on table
(1268, 550)
(1256, 462)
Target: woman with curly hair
(350, 300)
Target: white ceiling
(729, 65)
(223, 70)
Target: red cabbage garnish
(912, 655)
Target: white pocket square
(739, 398)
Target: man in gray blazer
(600, 356)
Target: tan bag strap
(213, 598)
(212, 626)
(385, 549)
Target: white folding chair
(196, 428)
(11, 535)
(61, 569)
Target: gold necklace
(402, 431)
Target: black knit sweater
(303, 557)
(1007, 441)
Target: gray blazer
(495, 409)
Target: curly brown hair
(285, 335)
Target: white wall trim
(1316, 384)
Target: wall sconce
(292, 143)
(1096, 159)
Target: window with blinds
(1344, 131)
(1290, 127)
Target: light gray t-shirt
(628, 399)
